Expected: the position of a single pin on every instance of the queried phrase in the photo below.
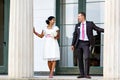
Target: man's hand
(72, 47)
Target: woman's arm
(58, 35)
(37, 34)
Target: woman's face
(52, 21)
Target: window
(68, 19)
(95, 13)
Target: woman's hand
(57, 35)
(33, 30)
(37, 34)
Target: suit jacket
(90, 26)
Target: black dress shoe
(80, 76)
(87, 76)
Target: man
(82, 40)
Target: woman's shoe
(50, 76)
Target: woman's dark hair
(49, 19)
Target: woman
(51, 47)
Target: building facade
(20, 58)
(66, 12)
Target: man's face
(81, 18)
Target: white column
(112, 39)
(21, 39)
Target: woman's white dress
(51, 47)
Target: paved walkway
(2, 77)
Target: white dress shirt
(85, 32)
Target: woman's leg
(50, 65)
(53, 67)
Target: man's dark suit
(83, 46)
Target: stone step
(54, 78)
(69, 77)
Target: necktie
(83, 32)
